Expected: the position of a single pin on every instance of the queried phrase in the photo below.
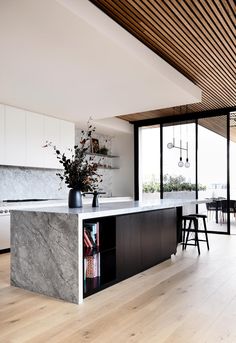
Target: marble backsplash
(30, 183)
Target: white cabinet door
(23, 135)
(2, 135)
(67, 137)
(15, 136)
(4, 231)
(51, 134)
(34, 140)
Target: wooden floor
(185, 299)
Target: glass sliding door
(212, 170)
(196, 159)
(149, 166)
(233, 172)
(179, 163)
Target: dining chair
(211, 207)
(224, 208)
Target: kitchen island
(48, 253)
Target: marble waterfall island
(44, 253)
(47, 245)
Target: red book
(86, 242)
(89, 244)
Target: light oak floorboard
(188, 298)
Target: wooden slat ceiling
(197, 37)
(219, 125)
(216, 124)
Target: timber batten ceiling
(196, 37)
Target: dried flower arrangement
(80, 170)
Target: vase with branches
(80, 172)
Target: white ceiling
(68, 59)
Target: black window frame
(175, 119)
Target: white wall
(75, 61)
(116, 182)
(123, 179)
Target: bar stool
(193, 219)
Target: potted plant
(103, 150)
(80, 170)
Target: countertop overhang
(116, 208)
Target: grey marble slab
(30, 183)
(47, 244)
(44, 253)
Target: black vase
(75, 198)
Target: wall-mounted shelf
(104, 156)
(108, 168)
(101, 155)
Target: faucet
(95, 202)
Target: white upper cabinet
(2, 135)
(15, 136)
(35, 140)
(23, 135)
(52, 135)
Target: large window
(233, 169)
(191, 159)
(212, 169)
(149, 171)
(179, 179)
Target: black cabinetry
(129, 244)
(144, 240)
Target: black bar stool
(193, 219)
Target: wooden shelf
(102, 155)
(111, 168)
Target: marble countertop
(57, 202)
(109, 208)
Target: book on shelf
(91, 234)
(85, 268)
(87, 242)
(97, 234)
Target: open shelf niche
(99, 254)
(105, 164)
